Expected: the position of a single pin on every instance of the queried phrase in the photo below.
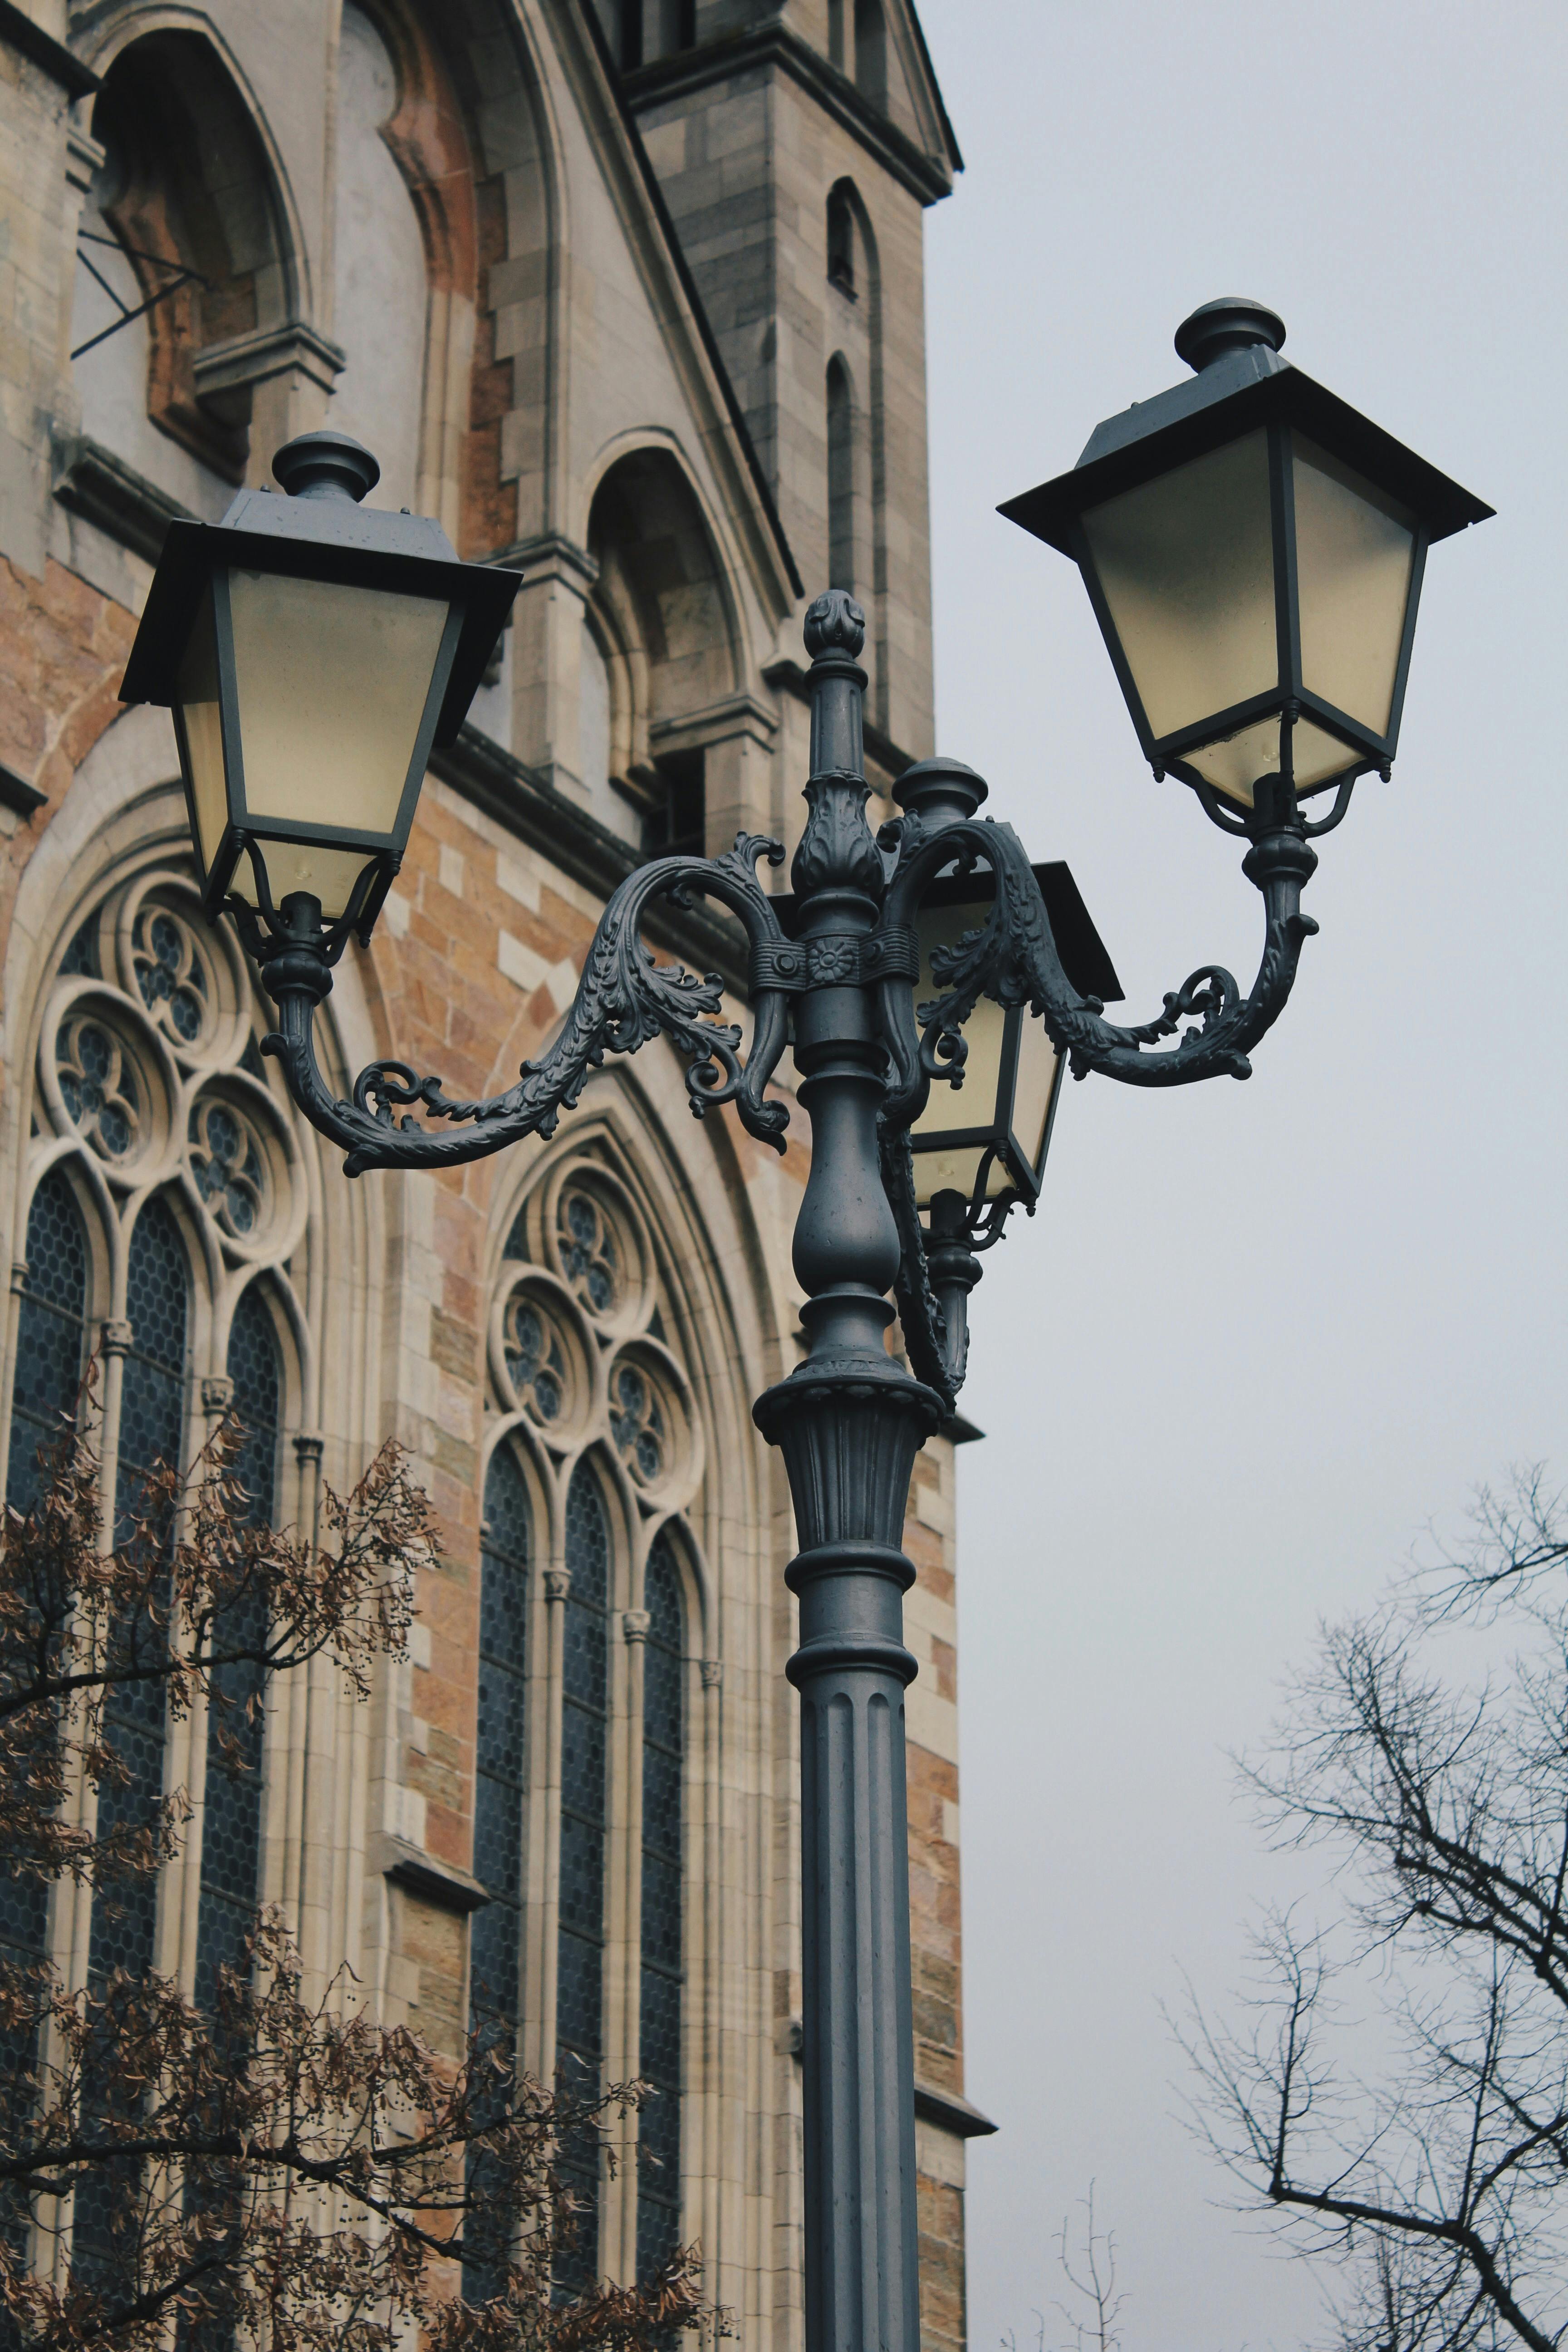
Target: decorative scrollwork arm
(623, 998)
(1014, 960)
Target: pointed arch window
(50, 1332)
(842, 551)
(495, 1949)
(235, 1793)
(152, 1430)
(663, 1941)
(582, 1304)
(580, 1943)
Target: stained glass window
(495, 1948)
(581, 1935)
(232, 1814)
(658, 2128)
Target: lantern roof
(1241, 382)
(319, 530)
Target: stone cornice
(737, 714)
(92, 482)
(928, 178)
(523, 804)
(950, 2113)
(268, 351)
(427, 1875)
(64, 68)
(18, 794)
(550, 555)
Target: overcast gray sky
(1257, 1335)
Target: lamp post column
(849, 1423)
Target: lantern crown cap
(326, 465)
(1231, 324)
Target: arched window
(581, 1355)
(495, 1949)
(842, 567)
(50, 1331)
(841, 243)
(232, 1803)
(663, 1748)
(870, 51)
(579, 1949)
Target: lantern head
(312, 650)
(1253, 547)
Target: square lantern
(989, 1136)
(1252, 545)
(312, 650)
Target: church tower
(796, 147)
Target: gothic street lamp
(1254, 549)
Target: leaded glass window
(232, 1812)
(50, 1330)
(151, 1432)
(659, 2127)
(495, 1949)
(580, 1946)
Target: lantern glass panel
(201, 726)
(1234, 764)
(1034, 1090)
(1185, 566)
(330, 683)
(959, 1110)
(1355, 550)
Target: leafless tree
(1089, 2268)
(1397, 2089)
(284, 2165)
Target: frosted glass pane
(203, 732)
(952, 1171)
(329, 875)
(1353, 555)
(949, 1110)
(332, 684)
(974, 1103)
(1234, 766)
(1186, 566)
(1036, 1084)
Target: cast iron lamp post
(1254, 551)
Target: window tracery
(591, 1405)
(158, 1146)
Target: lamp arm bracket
(623, 998)
(938, 1353)
(1014, 960)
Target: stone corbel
(227, 374)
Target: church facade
(629, 293)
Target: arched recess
(662, 633)
(187, 206)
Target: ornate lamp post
(1254, 551)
